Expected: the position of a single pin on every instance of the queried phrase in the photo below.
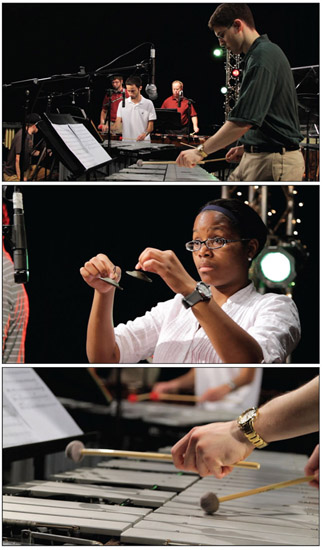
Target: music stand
(168, 121)
(73, 143)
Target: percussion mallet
(209, 502)
(155, 396)
(141, 163)
(76, 451)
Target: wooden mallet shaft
(209, 502)
(76, 451)
(143, 162)
(155, 396)
(272, 487)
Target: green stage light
(275, 267)
(218, 52)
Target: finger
(202, 467)
(178, 451)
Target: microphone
(19, 239)
(88, 89)
(151, 88)
(123, 99)
(180, 98)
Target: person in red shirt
(181, 103)
(116, 98)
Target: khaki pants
(270, 167)
(28, 174)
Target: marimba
(161, 172)
(126, 501)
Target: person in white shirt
(220, 319)
(137, 115)
(218, 388)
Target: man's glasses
(211, 244)
(220, 35)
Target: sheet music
(84, 146)
(31, 412)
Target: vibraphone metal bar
(161, 172)
(167, 414)
(289, 517)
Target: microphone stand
(23, 135)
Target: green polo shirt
(267, 97)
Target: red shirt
(172, 103)
(116, 98)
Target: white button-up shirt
(172, 334)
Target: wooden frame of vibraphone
(123, 502)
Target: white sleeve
(137, 339)
(152, 113)
(276, 328)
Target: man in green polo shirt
(264, 120)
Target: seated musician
(181, 103)
(220, 444)
(116, 98)
(217, 317)
(138, 114)
(224, 388)
(264, 121)
(11, 171)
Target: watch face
(204, 290)
(248, 415)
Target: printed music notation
(82, 144)
(31, 412)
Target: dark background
(68, 224)
(45, 39)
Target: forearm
(150, 127)
(226, 135)
(194, 120)
(232, 343)
(103, 116)
(17, 165)
(101, 346)
(186, 381)
(290, 415)
(245, 376)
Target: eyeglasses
(211, 244)
(221, 34)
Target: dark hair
(134, 81)
(117, 77)
(226, 14)
(32, 119)
(249, 225)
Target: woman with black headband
(219, 317)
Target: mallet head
(209, 502)
(139, 162)
(74, 450)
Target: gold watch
(246, 423)
(201, 151)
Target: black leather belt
(269, 149)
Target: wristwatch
(246, 423)
(201, 151)
(202, 293)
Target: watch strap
(249, 431)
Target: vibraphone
(124, 501)
(161, 172)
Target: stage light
(223, 90)
(275, 267)
(218, 52)
(235, 73)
